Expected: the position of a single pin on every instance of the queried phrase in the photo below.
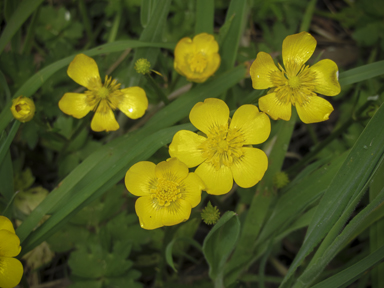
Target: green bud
(210, 214)
(280, 180)
(143, 66)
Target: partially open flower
(197, 59)
(23, 108)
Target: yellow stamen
(197, 62)
(165, 191)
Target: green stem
(115, 27)
(7, 143)
(30, 32)
(156, 87)
(87, 22)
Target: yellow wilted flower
(11, 269)
(197, 59)
(297, 84)
(225, 152)
(23, 108)
(168, 192)
(101, 98)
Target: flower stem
(156, 87)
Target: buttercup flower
(168, 192)
(197, 59)
(11, 269)
(101, 98)
(225, 152)
(298, 83)
(23, 108)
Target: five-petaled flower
(11, 269)
(298, 83)
(23, 108)
(101, 98)
(168, 192)
(225, 152)
(197, 59)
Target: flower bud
(142, 66)
(280, 180)
(23, 108)
(210, 214)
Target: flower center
(108, 93)
(166, 192)
(292, 87)
(223, 146)
(23, 109)
(197, 62)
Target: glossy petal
(254, 125)
(150, 214)
(297, 49)
(139, 177)
(10, 244)
(315, 110)
(6, 224)
(104, 119)
(183, 49)
(172, 169)
(217, 182)
(193, 186)
(185, 147)
(179, 211)
(84, 71)
(212, 112)
(271, 105)
(134, 103)
(326, 77)
(11, 271)
(75, 104)
(261, 70)
(205, 43)
(250, 168)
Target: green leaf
(23, 11)
(219, 243)
(346, 185)
(205, 10)
(361, 73)
(6, 177)
(353, 272)
(168, 250)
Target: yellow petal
(213, 112)
(104, 119)
(315, 110)
(11, 271)
(254, 125)
(23, 108)
(183, 48)
(179, 211)
(172, 169)
(139, 177)
(150, 215)
(84, 71)
(6, 224)
(10, 244)
(75, 104)
(297, 49)
(271, 105)
(261, 70)
(212, 65)
(217, 182)
(192, 189)
(205, 43)
(134, 102)
(326, 77)
(185, 147)
(249, 170)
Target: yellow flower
(168, 192)
(225, 152)
(11, 269)
(23, 108)
(197, 59)
(298, 83)
(101, 98)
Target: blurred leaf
(205, 10)
(219, 243)
(6, 178)
(361, 73)
(27, 201)
(68, 237)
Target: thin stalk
(156, 87)
(115, 27)
(30, 32)
(87, 22)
